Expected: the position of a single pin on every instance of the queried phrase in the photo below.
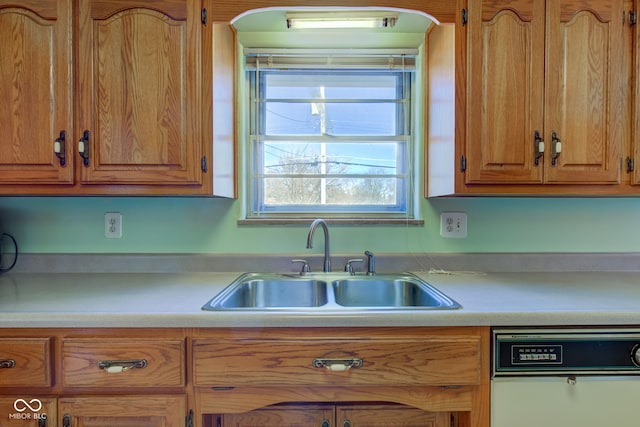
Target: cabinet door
(389, 416)
(24, 410)
(36, 90)
(283, 416)
(584, 90)
(505, 90)
(139, 91)
(123, 411)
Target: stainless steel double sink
(329, 291)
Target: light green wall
(195, 225)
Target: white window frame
(400, 61)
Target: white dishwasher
(565, 377)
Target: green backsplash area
(207, 225)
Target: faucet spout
(312, 230)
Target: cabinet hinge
(203, 16)
(188, 422)
(463, 164)
(203, 164)
(631, 165)
(464, 17)
(633, 18)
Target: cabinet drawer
(402, 362)
(25, 362)
(114, 362)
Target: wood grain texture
(243, 399)
(379, 415)
(584, 85)
(139, 94)
(33, 362)
(430, 361)
(125, 411)
(506, 82)
(36, 87)
(92, 402)
(390, 416)
(282, 416)
(165, 362)
(547, 67)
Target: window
(330, 134)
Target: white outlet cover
(113, 225)
(453, 225)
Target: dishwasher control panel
(536, 354)
(566, 351)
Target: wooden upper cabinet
(584, 89)
(36, 90)
(548, 68)
(123, 90)
(506, 89)
(138, 92)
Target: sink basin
(255, 291)
(329, 291)
(390, 292)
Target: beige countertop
(175, 300)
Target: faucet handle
(305, 266)
(348, 267)
(371, 263)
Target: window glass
(330, 141)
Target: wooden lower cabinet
(281, 416)
(24, 410)
(245, 377)
(370, 377)
(389, 416)
(123, 411)
(328, 415)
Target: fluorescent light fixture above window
(328, 20)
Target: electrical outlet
(453, 225)
(112, 225)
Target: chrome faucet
(312, 230)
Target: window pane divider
(304, 139)
(332, 100)
(328, 176)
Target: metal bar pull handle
(556, 147)
(83, 147)
(7, 363)
(337, 364)
(538, 147)
(118, 366)
(60, 147)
